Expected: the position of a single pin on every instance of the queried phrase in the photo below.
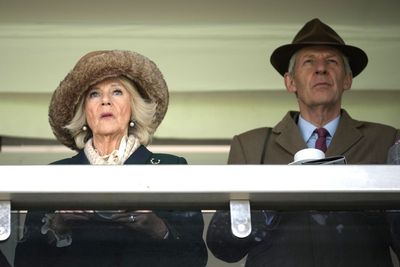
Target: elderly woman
(108, 108)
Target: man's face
(319, 77)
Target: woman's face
(108, 108)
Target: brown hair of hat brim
(280, 58)
(95, 67)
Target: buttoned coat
(103, 243)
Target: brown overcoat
(310, 238)
(360, 142)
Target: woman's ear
(290, 83)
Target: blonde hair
(143, 112)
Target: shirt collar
(307, 128)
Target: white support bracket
(5, 220)
(240, 218)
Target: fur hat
(313, 33)
(96, 66)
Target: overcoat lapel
(288, 134)
(290, 139)
(346, 136)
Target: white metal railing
(196, 186)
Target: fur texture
(95, 67)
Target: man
(322, 67)
(317, 67)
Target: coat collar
(289, 136)
(347, 135)
(141, 156)
(79, 158)
(288, 133)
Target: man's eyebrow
(328, 54)
(333, 55)
(306, 55)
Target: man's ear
(348, 81)
(289, 83)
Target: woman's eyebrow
(115, 84)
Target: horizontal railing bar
(205, 187)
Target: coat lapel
(346, 136)
(79, 158)
(141, 156)
(288, 133)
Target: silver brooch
(155, 161)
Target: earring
(84, 128)
(131, 124)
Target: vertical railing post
(5, 220)
(240, 218)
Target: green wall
(214, 56)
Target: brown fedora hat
(313, 33)
(95, 67)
